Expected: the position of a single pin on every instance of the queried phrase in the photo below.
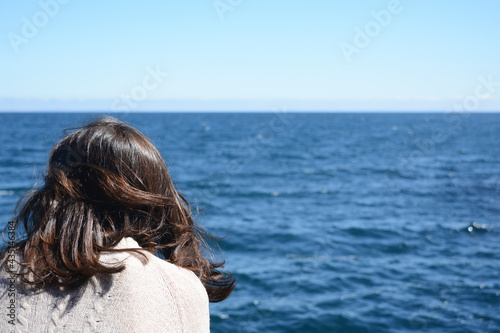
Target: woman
(108, 244)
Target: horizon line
(250, 111)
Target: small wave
(6, 192)
(476, 228)
(304, 257)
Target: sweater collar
(127, 243)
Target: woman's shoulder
(145, 262)
(166, 289)
(145, 271)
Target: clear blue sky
(248, 54)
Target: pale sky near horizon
(249, 54)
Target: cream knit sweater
(153, 297)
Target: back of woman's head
(104, 182)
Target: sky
(250, 55)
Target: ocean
(332, 222)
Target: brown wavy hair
(104, 182)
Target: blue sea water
(333, 222)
